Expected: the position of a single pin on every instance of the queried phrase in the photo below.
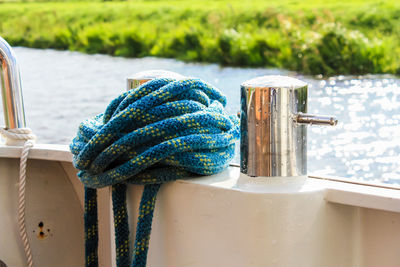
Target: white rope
(18, 134)
(22, 134)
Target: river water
(63, 88)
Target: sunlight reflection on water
(366, 142)
(63, 88)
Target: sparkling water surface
(63, 88)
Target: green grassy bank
(313, 37)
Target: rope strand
(21, 202)
(91, 228)
(22, 134)
(162, 131)
(121, 222)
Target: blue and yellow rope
(161, 131)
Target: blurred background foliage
(309, 36)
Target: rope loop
(18, 134)
(180, 124)
(164, 130)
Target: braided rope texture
(18, 134)
(21, 201)
(161, 131)
(27, 135)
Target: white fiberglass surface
(63, 88)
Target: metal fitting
(139, 78)
(273, 126)
(11, 91)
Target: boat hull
(220, 220)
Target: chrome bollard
(144, 76)
(13, 104)
(273, 126)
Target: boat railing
(11, 91)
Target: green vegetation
(310, 36)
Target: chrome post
(11, 91)
(273, 126)
(144, 76)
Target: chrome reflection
(13, 105)
(273, 132)
(139, 78)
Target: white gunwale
(337, 190)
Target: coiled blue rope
(161, 131)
